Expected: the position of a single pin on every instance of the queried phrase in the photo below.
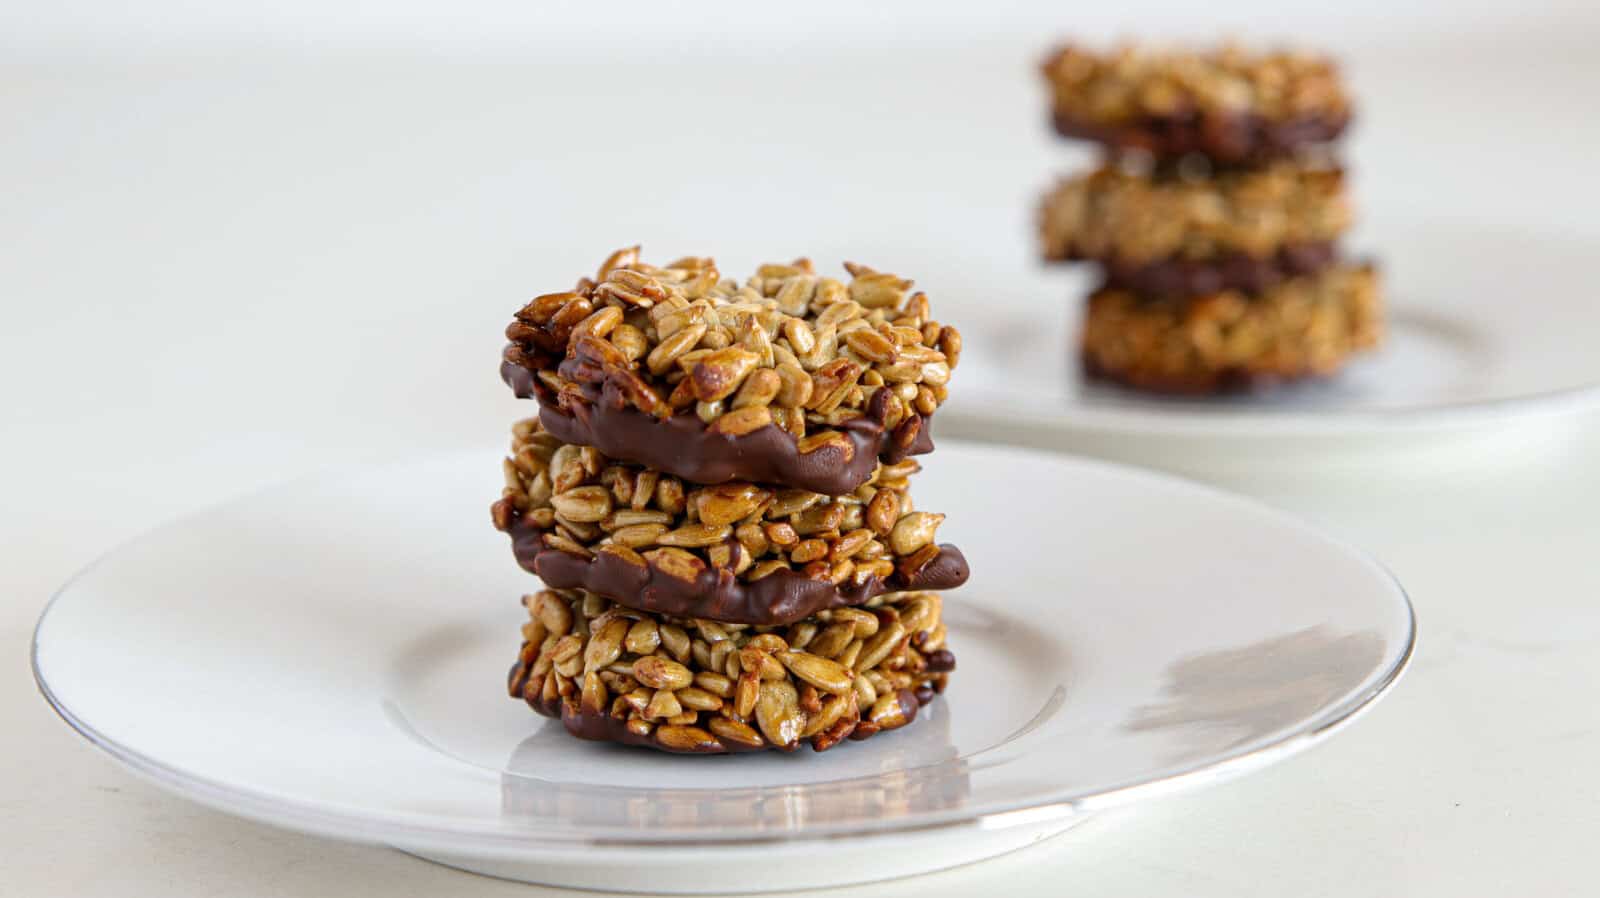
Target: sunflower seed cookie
(789, 378)
(1228, 104)
(1245, 224)
(689, 686)
(737, 551)
(1305, 327)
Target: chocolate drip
(1234, 271)
(683, 446)
(1225, 138)
(779, 598)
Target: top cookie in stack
(730, 461)
(1228, 105)
(1214, 218)
(774, 380)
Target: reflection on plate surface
(1220, 700)
(917, 774)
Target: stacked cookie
(717, 492)
(1213, 218)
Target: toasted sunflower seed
(638, 535)
(742, 421)
(676, 563)
(661, 673)
(686, 738)
(778, 713)
(719, 374)
(913, 531)
(588, 504)
(643, 638)
(670, 349)
(605, 644)
(730, 730)
(696, 535)
(820, 672)
(878, 647)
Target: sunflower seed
(587, 504)
(849, 544)
(594, 696)
(554, 613)
(871, 346)
(661, 673)
(695, 535)
(820, 672)
(913, 531)
(719, 374)
(675, 640)
(730, 730)
(676, 563)
(686, 738)
(638, 535)
(878, 647)
(669, 495)
(663, 705)
(778, 713)
(670, 349)
(643, 638)
(605, 644)
(746, 693)
(889, 712)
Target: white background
(573, 28)
(240, 244)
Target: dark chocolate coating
(684, 447)
(779, 598)
(1220, 382)
(1234, 271)
(1227, 139)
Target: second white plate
(1487, 329)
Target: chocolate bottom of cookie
(701, 687)
(596, 412)
(1223, 138)
(1228, 341)
(685, 588)
(747, 553)
(1234, 271)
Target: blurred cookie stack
(1214, 217)
(717, 493)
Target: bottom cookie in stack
(614, 674)
(1303, 327)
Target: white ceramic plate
(330, 656)
(1487, 330)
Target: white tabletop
(223, 272)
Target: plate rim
(997, 410)
(395, 829)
